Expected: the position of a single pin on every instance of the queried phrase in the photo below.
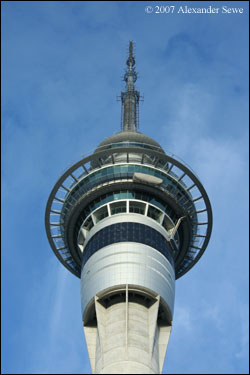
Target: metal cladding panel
(127, 263)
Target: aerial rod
(130, 75)
(131, 59)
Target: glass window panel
(137, 207)
(145, 197)
(117, 208)
(117, 196)
(110, 170)
(124, 194)
(130, 194)
(138, 195)
(89, 223)
(104, 172)
(154, 213)
(167, 223)
(101, 213)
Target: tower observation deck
(128, 220)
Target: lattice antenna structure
(130, 98)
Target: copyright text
(170, 9)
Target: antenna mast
(130, 98)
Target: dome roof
(132, 137)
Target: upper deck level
(111, 170)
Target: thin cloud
(62, 64)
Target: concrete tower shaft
(128, 220)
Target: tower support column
(128, 338)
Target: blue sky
(62, 64)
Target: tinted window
(131, 232)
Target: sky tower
(128, 220)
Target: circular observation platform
(112, 181)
